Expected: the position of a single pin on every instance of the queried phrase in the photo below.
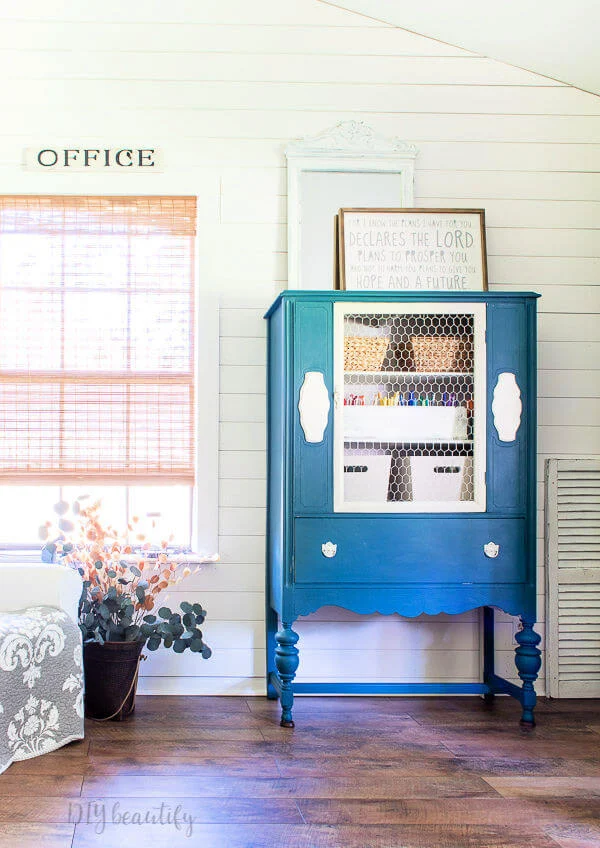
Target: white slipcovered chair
(41, 674)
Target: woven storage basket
(434, 353)
(364, 353)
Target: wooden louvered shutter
(573, 578)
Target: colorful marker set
(403, 399)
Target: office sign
(55, 159)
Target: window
(97, 353)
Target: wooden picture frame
(428, 250)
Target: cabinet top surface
(299, 295)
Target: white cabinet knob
(328, 549)
(491, 550)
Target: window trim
(205, 519)
(205, 497)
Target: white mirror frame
(350, 146)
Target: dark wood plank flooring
(354, 773)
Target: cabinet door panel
(312, 354)
(508, 352)
(372, 551)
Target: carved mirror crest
(347, 165)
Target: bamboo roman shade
(97, 339)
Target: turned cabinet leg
(488, 651)
(286, 661)
(270, 640)
(528, 661)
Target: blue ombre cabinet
(401, 470)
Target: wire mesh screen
(408, 407)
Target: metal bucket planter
(111, 672)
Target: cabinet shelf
(411, 375)
(353, 440)
(405, 424)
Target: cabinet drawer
(409, 550)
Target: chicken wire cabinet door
(410, 416)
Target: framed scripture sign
(412, 249)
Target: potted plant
(118, 610)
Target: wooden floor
(354, 773)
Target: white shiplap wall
(222, 88)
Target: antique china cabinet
(401, 470)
